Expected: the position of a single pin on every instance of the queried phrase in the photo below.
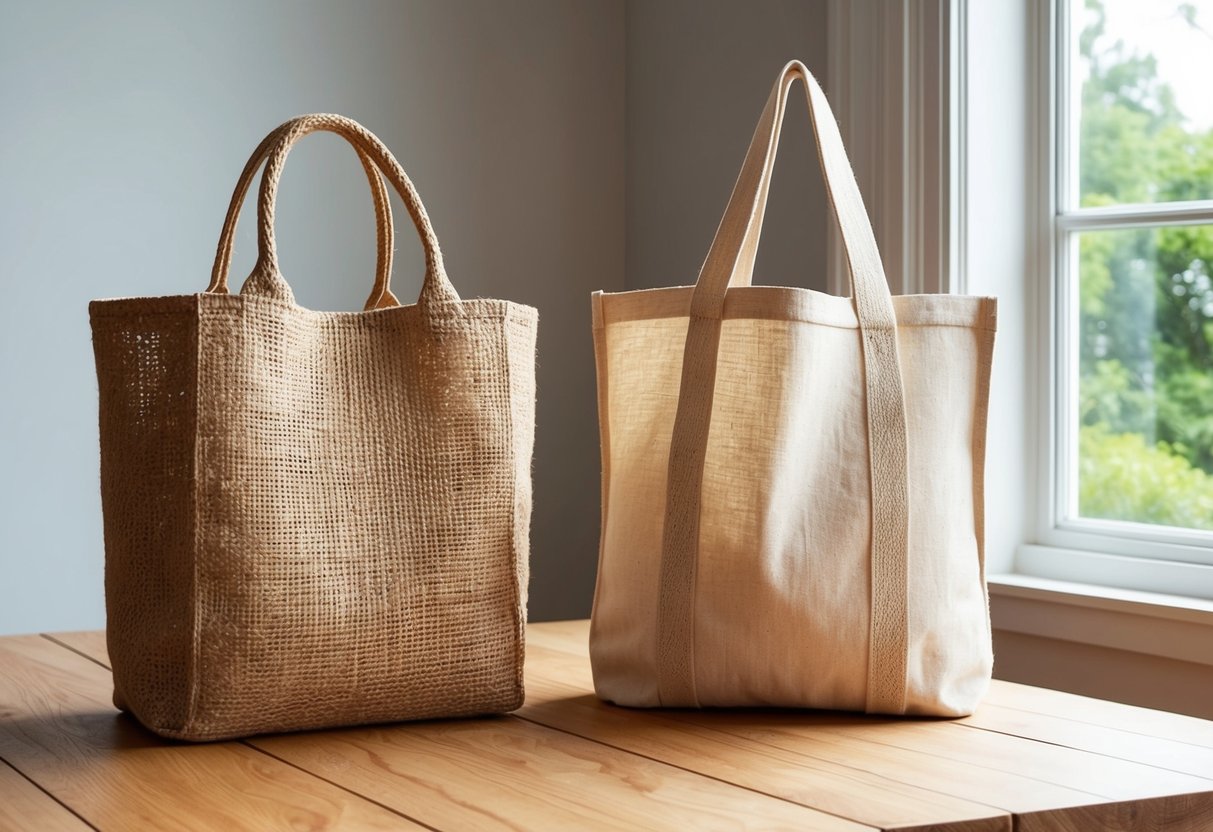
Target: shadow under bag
(314, 519)
(792, 482)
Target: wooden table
(1031, 759)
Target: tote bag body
(314, 519)
(792, 482)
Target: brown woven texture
(314, 519)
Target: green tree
(1145, 296)
(1122, 477)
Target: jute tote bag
(314, 519)
(792, 482)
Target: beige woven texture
(315, 519)
(792, 482)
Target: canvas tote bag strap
(729, 262)
(266, 277)
(381, 295)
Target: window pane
(1145, 125)
(1145, 392)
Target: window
(1130, 415)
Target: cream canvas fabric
(792, 482)
(314, 519)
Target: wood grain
(1110, 742)
(1092, 773)
(88, 643)
(24, 806)
(1041, 760)
(1180, 813)
(568, 636)
(1020, 775)
(823, 736)
(578, 784)
(57, 728)
(1020, 789)
(1161, 724)
(823, 783)
(510, 774)
(863, 749)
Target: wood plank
(58, 728)
(507, 773)
(1169, 751)
(826, 784)
(830, 787)
(24, 806)
(1012, 790)
(1109, 778)
(1099, 739)
(1044, 784)
(1178, 727)
(1070, 768)
(573, 637)
(813, 734)
(569, 636)
(1023, 776)
(88, 643)
(1169, 814)
(433, 757)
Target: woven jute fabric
(314, 519)
(792, 482)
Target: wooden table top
(1034, 758)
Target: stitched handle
(730, 262)
(731, 257)
(266, 277)
(381, 294)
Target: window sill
(1170, 626)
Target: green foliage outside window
(1145, 298)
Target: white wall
(699, 72)
(127, 124)
(997, 201)
(125, 127)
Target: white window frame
(1111, 553)
(950, 76)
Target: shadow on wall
(126, 137)
(128, 124)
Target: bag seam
(192, 674)
(519, 611)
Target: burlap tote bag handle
(730, 262)
(381, 295)
(266, 278)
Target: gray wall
(699, 72)
(127, 123)
(125, 127)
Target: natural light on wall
(1135, 265)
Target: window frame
(1114, 553)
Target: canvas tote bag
(792, 482)
(314, 519)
